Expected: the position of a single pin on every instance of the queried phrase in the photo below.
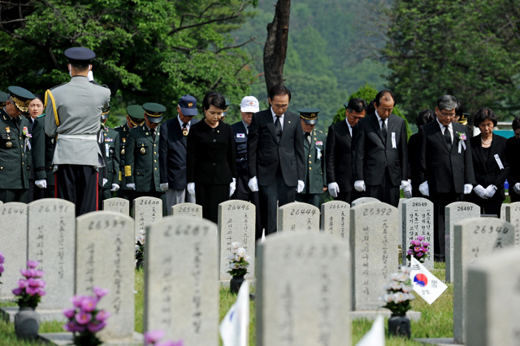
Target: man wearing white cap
(248, 107)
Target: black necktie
(447, 136)
(383, 129)
(278, 128)
(308, 137)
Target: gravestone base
(438, 342)
(372, 314)
(225, 283)
(66, 339)
(8, 313)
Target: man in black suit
(445, 165)
(340, 175)
(381, 152)
(248, 106)
(172, 152)
(275, 156)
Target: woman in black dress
(512, 150)
(489, 162)
(211, 164)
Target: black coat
(413, 164)
(172, 154)
(339, 156)
(211, 154)
(512, 150)
(445, 170)
(372, 154)
(265, 153)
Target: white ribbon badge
(462, 144)
(394, 143)
(499, 162)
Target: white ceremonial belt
(86, 137)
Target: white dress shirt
(274, 117)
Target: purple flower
(2, 258)
(420, 238)
(22, 283)
(102, 315)
(417, 249)
(77, 300)
(425, 244)
(88, 304)
(36, 282)
(32, 264)
(100, 292)
(38, 273)
(152, 336)
(419, 254)
(73, 327)
(17, 291)
(69, 313)
(83, 317)
(33, 291)
(425, 249)
(410, 252)
(96, 327)
(1, 269)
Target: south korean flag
(425, 284)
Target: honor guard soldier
(314, 148)
(15, 146)
(142, 154)
(73, 111)
(112, 149)
(134, 118)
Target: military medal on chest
(185, 131)
(143, 150)
(123, 148)
(9, 144)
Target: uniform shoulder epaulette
(320, 131)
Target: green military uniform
(112, 149)
(315, 176)
(49, 153)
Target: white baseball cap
(249, 104)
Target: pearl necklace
(486, 143)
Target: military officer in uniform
(73, 111)
(134, 118)
(314, 148)
(142, 154)
(15, 146)
(112, 148)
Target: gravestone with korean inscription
(417, 216)
(474, 239)
(236, 223)
(493, 300)
(181, 295)
(187, 209)
(147, 210)
(363, 200)
(52, 242)
(13, 245)
(454, 213)
(303, 290)
(298, 217)
(374, 231)
(105, 253)
(513, 217)
(335, 219)
(118, 205)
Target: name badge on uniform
(499, 162)
(394, 143)
(241, 135)
(318, 153)
(107, 149)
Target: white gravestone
(236, 224)
(187, 209)
(362, 200)
(303, 291)
(118, 205)
(147, 210)
(417, 216)
(335, 219)
(504, 211)
(298, 217)
(513, 217)
(181, 294)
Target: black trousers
(440, 201)
(209, 196)
(278, 191)
(349, 196)
(243, 193)
(13, 195)
(385, 192)
(78, 184)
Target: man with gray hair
(445, 165)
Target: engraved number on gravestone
(464, 207)
(297, 211)
(377, 211)
(107, 224)
(239, 207)
(484, 231)
(186, 230)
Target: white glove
(42, 183)
(115, 187)
(164, 186)
(232, 187)
(490, 191)
(424, 188)
(333, 189)
(105, 180)
(131, 186)
(480, 191)
(300, 187)
(467, 189)
(253, 184)
(404, 183)
(359, 185)
(191, 189)
(517, 188)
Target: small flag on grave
(425, 284)
(376, 335)
(234, 328)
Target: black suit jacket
(172, 154)
(445, 170)
(488, 172)
(413, 164)
(339, 156)
(511, 153)
(211, 154)
(265, 153)
(372, 155)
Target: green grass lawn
(436, 320)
